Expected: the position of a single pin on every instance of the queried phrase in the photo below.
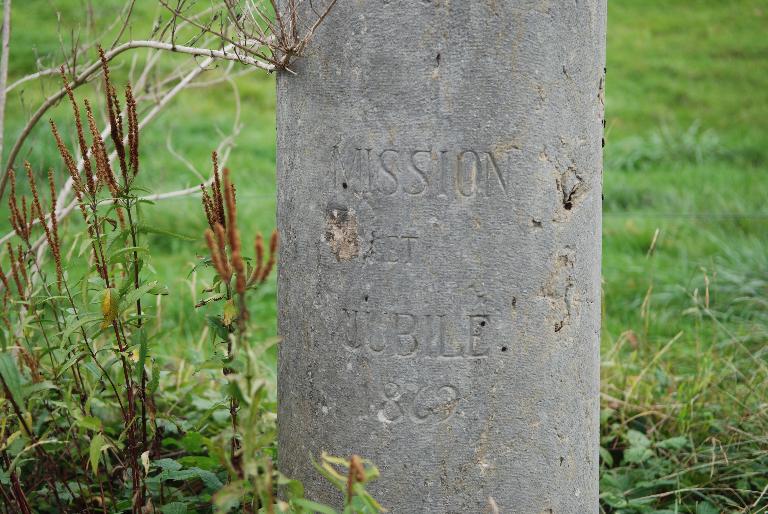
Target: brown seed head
(99, 151)
(114, 115)
(273, 245)
(80, 135)
(217, 257)
(218, 200)
(133, 131)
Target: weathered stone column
(439, 184)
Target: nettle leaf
(174, 508)
(194, 442)
(706, 508)
(201, 461)
(219, 330)
(637, 455)
(606, 456)
(12, 378)
(638, 439)
(167, 464)
(210, 480)
(673, 443)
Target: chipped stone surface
(341, 233)
(439, 202)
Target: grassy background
(685, 226)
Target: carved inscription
(405, 335)
(391, 249)
(465, 173)
(432, 403)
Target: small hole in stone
(344, 185)
(503, 348)
(568, 205)
(365, 298)
(482, 323)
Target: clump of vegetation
(666, 146)
(684, 420)
(94, 418)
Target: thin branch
(4, 51)
(33, 76)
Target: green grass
(686, 159)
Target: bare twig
(4, 51)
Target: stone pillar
(439, 202)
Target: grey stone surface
(439, 202)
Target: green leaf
(706, 508)
(141, 336)
(294, 488)
(209, 479)
(97, 445)
(606, 456)
(130, 298)
(146, 229)
(70, 362)
(155, 381)
(673, 443)
(637, 439)
(310, 506)
(77, 325)
(34, 388)
(218, 328)
(167, 464)
(89, 423)
(115, 257)
(174, 508)
(12, 378)
(193, 442)
(637, 455)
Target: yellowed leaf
(230, 313)
(108, 307)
